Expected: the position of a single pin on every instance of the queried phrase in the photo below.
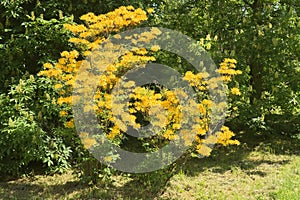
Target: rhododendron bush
(144, 100)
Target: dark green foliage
(263, 36)
(41, 41)
(28, 120)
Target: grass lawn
(265, 168)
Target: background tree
(263, 36)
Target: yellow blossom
(150, 10)
(130, 8)
(65, 54)
(189, 76)
(70, 124)
(235, 91)
(203, 150)
(62, 113)
(207, 102)
(129, 84)
(108, 158)
(114, 132)
(47, 65)
(88, 142)
(169, 135)
(155, 48)
(117, 36)
(83, 134)
(58, 86)
(176, 126)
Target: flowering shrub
(146, 102)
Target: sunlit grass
(268, 170)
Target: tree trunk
(256, 81)
(256, 68)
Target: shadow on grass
(26, 190)
(141, 186)
(152, 185)
(223, 159)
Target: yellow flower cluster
(131, 59)
(70, 123)
(63, 71)
(235, 91)
(89, 35)
(87, 140)
(197, 80)
(99, 27)
(161, 108)
(50, 71)
(202, 82)
(224, 136)
(227, 69)
(150, 10)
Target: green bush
(29, 122)
(23, 52)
